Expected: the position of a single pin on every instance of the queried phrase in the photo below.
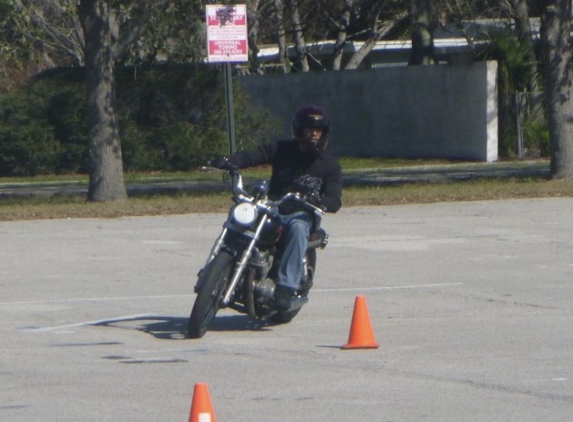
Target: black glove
(220, 163)
(314, 200)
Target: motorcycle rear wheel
(215, 278)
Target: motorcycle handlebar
(239, 191)
(298, 198)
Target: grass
(473, 190)
(183, 202)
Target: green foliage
(13, 45)
(517, 72)
(171, 29)
(36, 134)
(536, 138)
(516, 69)
(172, 118)
(15, 48)
(507, 142)
(536, 142)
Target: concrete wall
(444, 111)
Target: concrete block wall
(442, 111)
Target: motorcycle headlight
(244, 213)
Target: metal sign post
(227, 43)
(230, 108)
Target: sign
(227, 33)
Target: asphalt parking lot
(471, 304)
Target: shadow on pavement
(175, 328)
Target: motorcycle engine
(265, 289)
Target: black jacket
(295, 171)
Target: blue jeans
(296, 228)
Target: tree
(67, 32)
(100, 30)
(520, 13)
(281, 36)
(555, 36)
(422, 33)
(342, 25)
(253, 28)
(53, 27)
(297, 30)
(306, 22)
(374, 21)
(379, 29)
(22, 53)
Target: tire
(214, 281)
(285, 317)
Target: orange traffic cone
(201, 407)
(361, 335)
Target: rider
(299, 165)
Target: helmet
(311, 117)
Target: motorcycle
(240, 272)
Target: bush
(171, 117)
(536, 139)
(28, 143)
(180, 117)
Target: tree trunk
(422, 33)
(520, 12)
(253, 26)
(555, 29)
(342, 26)
(378, 31)
(106, 167)
(359, 56)
(281, 36)
(299, 42)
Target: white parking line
(80, 324)
(415, 286)
(91, 299)
(147, 315)
(314, 290)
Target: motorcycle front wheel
(215, 278)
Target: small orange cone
(361, 335)
(201, 407)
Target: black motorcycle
(240, 272)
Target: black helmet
(311, 117)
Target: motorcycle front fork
(241, 265)
(216, 248)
